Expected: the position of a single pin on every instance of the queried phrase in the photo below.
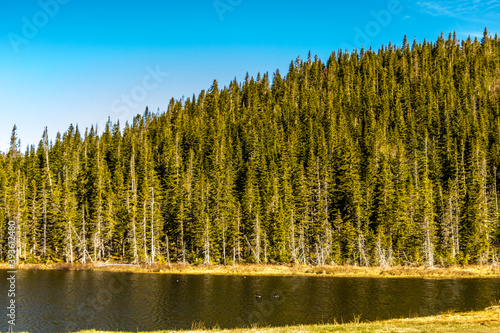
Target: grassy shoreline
(487, 320)
(471, 271)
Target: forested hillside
(372, 158)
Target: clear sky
(79, 62)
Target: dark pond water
(67, 301)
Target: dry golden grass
(472, 271)
(487, 320)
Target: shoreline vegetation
(487, 320)
(436, 272)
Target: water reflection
(53, 301)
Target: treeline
(372, 158)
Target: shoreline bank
(471, 271)
(487, 320)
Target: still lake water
(67, 301)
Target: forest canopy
(373, 158)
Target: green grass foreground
(487, 320)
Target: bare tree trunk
(18, 217)
(456, 243)
(33, 217)
(144, 232)
(134, 203)
(302, 250)
(265, 248)
(292, 238)
(84, 242)
(46, 148)
(428, 244)
(183, 245)
(134, 233)
(496, 196)
(250, 246)
(152, 226)
(257, 238)
(168, 251)
(98, 238)
(381, 254)
(234, 256)
(207, 244)
(18, 234)
(327, 225)
(70, 242)
(85, 253)
(485, 216)
(223, 240)
(44, 211)
(238, 237)
(318, 262)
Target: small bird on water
(276, 296)
(258, 296)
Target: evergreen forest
(374, 157)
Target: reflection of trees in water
(440, 295)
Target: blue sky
(79, 62)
